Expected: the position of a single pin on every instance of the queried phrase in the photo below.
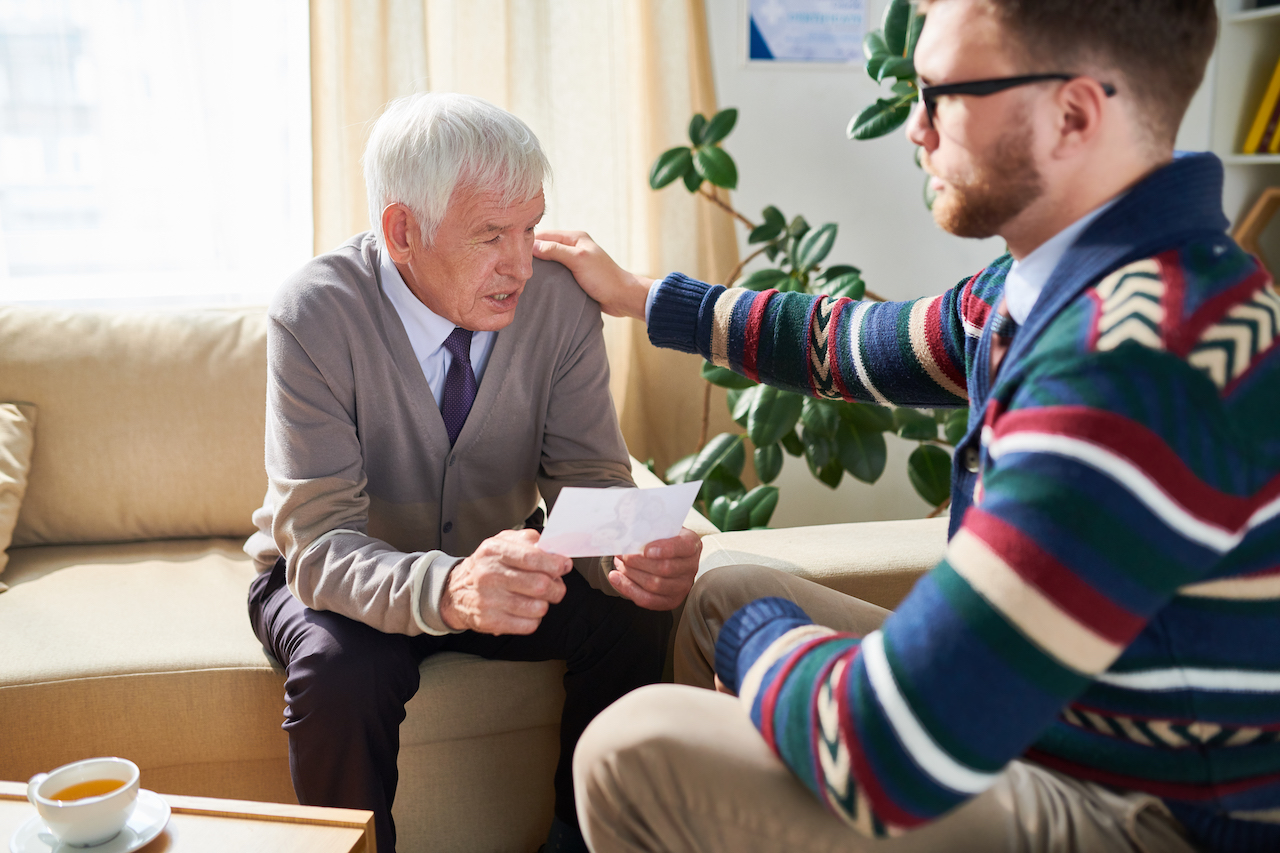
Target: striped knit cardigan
(1109, 604)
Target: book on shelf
(1263, 133)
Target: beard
(1000, 186)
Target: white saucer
(148, 820)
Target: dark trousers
(346, 684)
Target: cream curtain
(607, 85)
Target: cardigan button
(448, 525)
(971, 459)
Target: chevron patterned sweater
(1109, 604)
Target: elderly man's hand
(620, 293)
(660, 578)
(505, 587)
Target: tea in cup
(87, 802)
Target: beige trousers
(676, 768)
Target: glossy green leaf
(774, 414)
(915, 425)
(819, 450)
(724, 377)
(873, 45)
(868, 417)
(875, 63)
(956, 427)
(716, 166)
(798, 227)
(816, 245)
(718, 512)
(882, 117)
(929, 469)
(773, 216)
(763, 279)
(904, 88)
(740, 403)
(792, 444)
(819, 418)
(837, 270)
(863, 453)
(772, 252)
(670, 165)
(913, 34)
(768, 461)
(720, 126)
(895, 24)
(849, 285)
(720, 482)
(823, 459)
(697, 128)
(764, 232)
(724, 451)
(930, 194)
(692, 180)
(899, 67)
(760, 503)
(675, 473)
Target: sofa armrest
(646, 479)
(876, 561)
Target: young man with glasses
(1094, 666)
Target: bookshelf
(1248, 48)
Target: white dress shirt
(1027, 277)
(427, 331)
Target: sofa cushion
(151, 424)
(876, 561)
(146, 651)
(17, 435)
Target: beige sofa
(132, 461)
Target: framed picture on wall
(827, 32)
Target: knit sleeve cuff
(430, 573)
(673, 315)
(749, 631)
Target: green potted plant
(834, 437)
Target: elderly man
(1094, 666)
(427, 382)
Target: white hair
(424, 146)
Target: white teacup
(86, 820)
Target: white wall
(791, 150)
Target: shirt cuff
(430, 573)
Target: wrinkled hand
(620, 293)
(505, 587)
(660, 578)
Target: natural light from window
(153, 152)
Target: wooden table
(205, 825)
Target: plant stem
(939, 509)
(705, 193)
(872, 296)
(706, 416)
(733, 276)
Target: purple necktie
(459, 383)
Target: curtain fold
(606, 86)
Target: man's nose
(517, 260)
(918, 129)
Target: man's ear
(399, 226)
(1082, 104)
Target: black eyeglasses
(981, 88)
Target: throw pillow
(17, 439)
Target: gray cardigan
(366, 501)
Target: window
(153, 151)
